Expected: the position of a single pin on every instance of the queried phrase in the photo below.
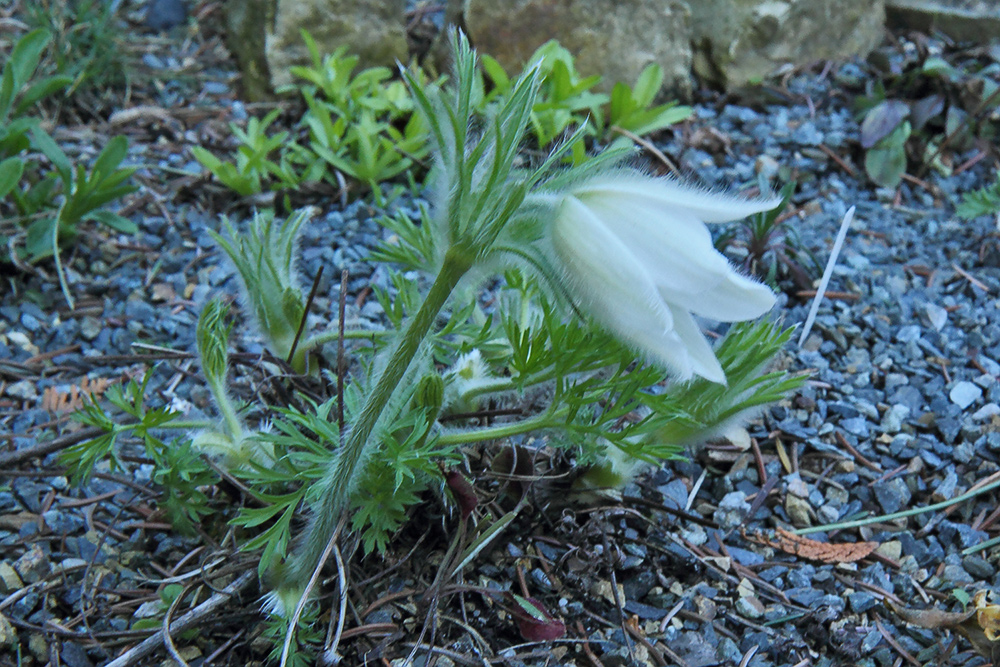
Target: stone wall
(728, 43)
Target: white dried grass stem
(827, 272)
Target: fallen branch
(206, 608)
(45, 448)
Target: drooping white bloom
(636, 254)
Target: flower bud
(430, 394)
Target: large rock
(963, 20)
(614, 38)
(265, 35)
(245, 35)
(737, 42)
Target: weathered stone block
(739, 41)
(614, 38)
(265, 35)
(964, 20)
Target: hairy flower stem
(544, 420)
(234, 425)
(347, 466)
(326, 337)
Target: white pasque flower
(636, 254)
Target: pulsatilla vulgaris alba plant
(601, 263)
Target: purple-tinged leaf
(464, 493)
(533, 620)
(881, 120)
(926, 108)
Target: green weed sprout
(264, 257)
(253, 167)
(362, 125)
(566, 100)
(49, 204)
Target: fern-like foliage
(985, 201)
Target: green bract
(264, 256)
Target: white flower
(636, 254)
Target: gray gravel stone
(978, 567)
(964, 394)
(22, 389)
(892, 420)
(732, 510)
(892, 495)
(956, 574)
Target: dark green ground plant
(915, 117)
(769, 248)
(87, 42)
(44, 196)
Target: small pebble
(732, 510)
(22, 389)
(978, 567)
(964, 394)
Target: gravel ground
(903, 411)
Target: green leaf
(985, 201)
(962, 596)
(6, 92)
(886, 166)
(114, 221)
(648, 85)
(109, 159)
(26, 55)
(38, 243)
(44, 143)
(206, 158)
(10, 174)
(39, 91)
(498, 77)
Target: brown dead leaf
(803, 547)
(980, 624)
(58, 401)
(932, 619)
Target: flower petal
(735, 299)
(702, 357)
(674, 247)
(664, 192)
(613, 286)
(596, 260)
